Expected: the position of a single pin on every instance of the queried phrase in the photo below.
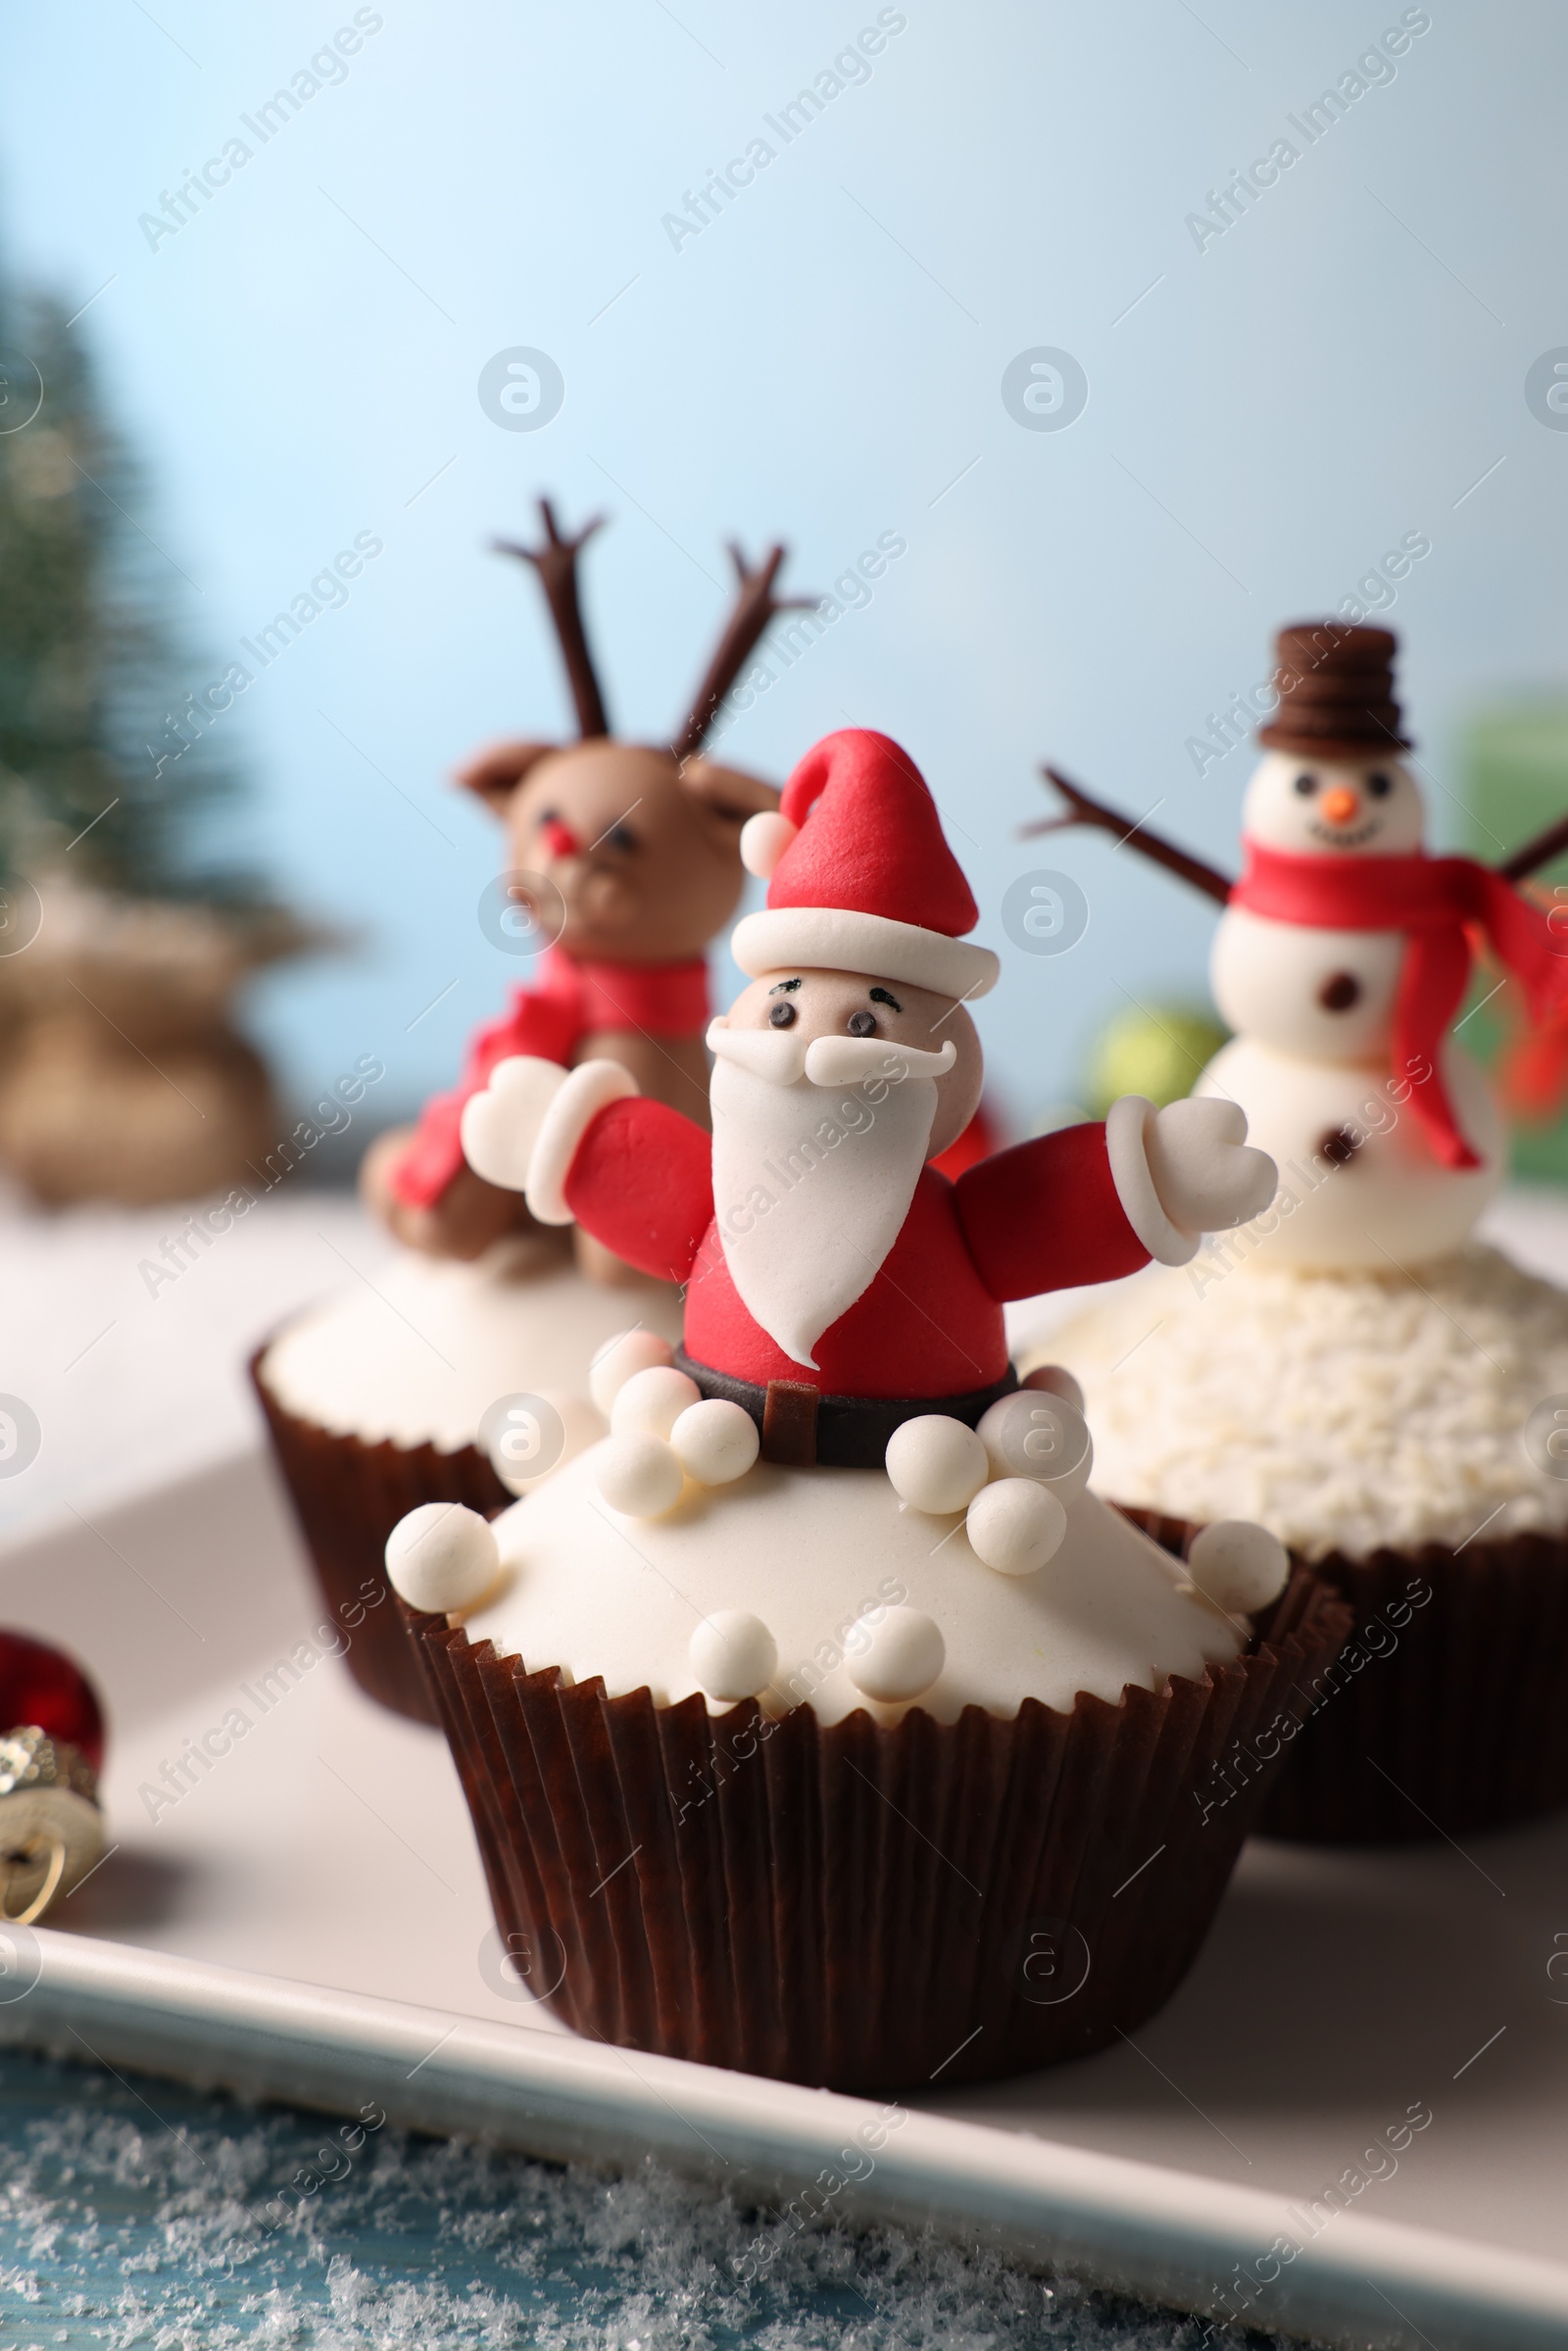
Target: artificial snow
(134, 2214)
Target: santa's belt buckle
(789, 1423)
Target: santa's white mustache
(783, 1058)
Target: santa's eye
(1379, 786)
(861, 1024)
(1306, 785)
(781, 1015)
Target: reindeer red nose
(560, 841)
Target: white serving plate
(308, 1921)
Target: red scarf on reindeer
(1431, 900)
(565, 1002)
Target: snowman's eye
(1379, 786)
(1306, 785)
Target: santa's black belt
(801, 1426)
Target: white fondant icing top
(1341, 1410)
(419, 1353)
(810, 1551)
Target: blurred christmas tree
(93, 659)
(125, 932)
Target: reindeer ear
(494, 773)
(727, 793)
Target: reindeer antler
(1131, 831)
(557, 566)
(754, 608)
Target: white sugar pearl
(651, 1401)
(1054, 1379)
(717, 1442)
(936, 1463)
(1237, 1565)
(639, 1475)
(733, 1656)
(896, 1654)
(1032, 1434)
(628, 1352)
(1016, 1526)
(442, 1557)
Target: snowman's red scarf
(1431, 900)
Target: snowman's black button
(1340, 1145)
(1339, 992)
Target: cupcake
(818, 1721)
(1395, 1429)
(439, 1381)
(622, 863)
(1353, 1369)
(802, 1779)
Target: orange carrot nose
(1341, 805)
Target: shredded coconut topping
(1345, 1411)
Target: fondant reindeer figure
(627, 856)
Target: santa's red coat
(1043, 1216)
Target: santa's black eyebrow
(783, 987)
(884, 996)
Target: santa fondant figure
(836, 1283)
(1340, 960)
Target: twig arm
(1131, 833)
(1537, 852)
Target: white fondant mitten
(501, 1123)
(1205, 1175)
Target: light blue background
(1335, 370)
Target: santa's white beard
(811, 1185)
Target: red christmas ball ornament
(51, 1752)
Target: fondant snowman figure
(1340, 960)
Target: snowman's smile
(1342, 837)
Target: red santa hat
(860, 875)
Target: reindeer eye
(861, 1024)
(621, 837)
(1306, 785)
(1379, 786)
(781, 1015)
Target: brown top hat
(1336, 690)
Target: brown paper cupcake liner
(851, 1905)
(1445, 1713)
(348, 1496)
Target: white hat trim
(841, 939)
